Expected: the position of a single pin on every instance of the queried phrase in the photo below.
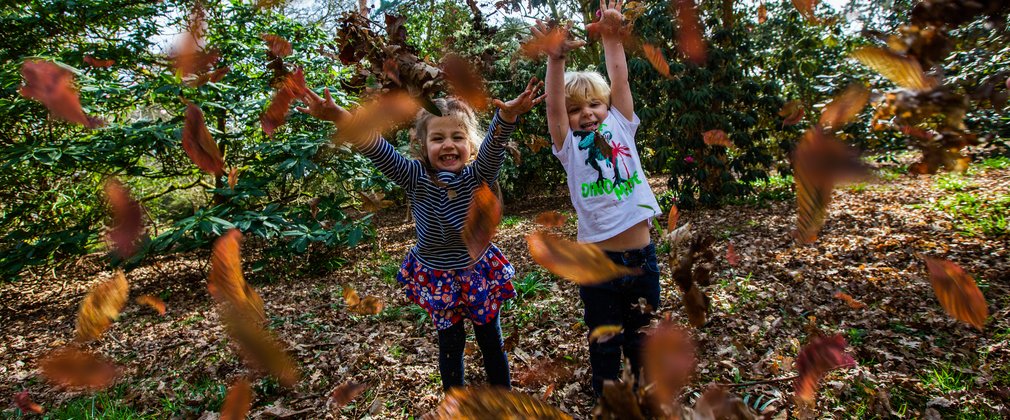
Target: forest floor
(914, 360)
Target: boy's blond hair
(450, 107)
(581, 87)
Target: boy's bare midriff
(635, 237)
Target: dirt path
(911, 354)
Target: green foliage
(974, 215)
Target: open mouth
(448, 159)
(590, 126)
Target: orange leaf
(819, 161)
(260, 348)
(238, 401)
(126, 216)
(716, 138)
(95, 62)
(344, 393)
(492, 402)
(373, 202)
(792, 111)
(535, 47)
(668, 358)
(377, 116)
(583, 264)
(101, 306)
(656, 58)
(25, 403)
(71, 367)
(351, 297)
(154, 302)
(465, 81)
(53, 86)
(689, 39)
(276, 113)
(817, 358)
(370, 305)
(226, 283)
(535, 143)
(198, 144)
(845, 106)
(806, 9)
(188, 53)
(551, 219)
(957, 292)
(482, 221)
(604, 332)
(731, 256)
(278, 46)
(849, 300)
(232, 178)
(902, 70)
(762, 13)
(672, 218)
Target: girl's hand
(323, 109)
(511, 110)
(554, 42)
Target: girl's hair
(450, 107)
(583, 86)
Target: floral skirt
(476, 293)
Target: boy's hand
(611, 18)
(323, 109)
(554, 41)
(511, 110)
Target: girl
(438, 273)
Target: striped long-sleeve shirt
(440, 212)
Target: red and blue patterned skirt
(476, 293)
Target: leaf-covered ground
(911, 355)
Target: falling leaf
(957, 292)
(690, 273)
(821, 355)
(232, 178)
(465, 81)
(731, 256)
(819, 161)
(551, 219)
(278, 46)
(672, 218)
(678, 235)
(127, 221)
(75, 368)
(237, 401)
(25, 403)
(154, 302)
(292, 87)
(198, 144)
(543, 371)
(189, 55)
(482, 221)
(656, 58)
(344, 393)
(849, 300)
(668, 357)
(603, 333)
(762, 13)
(376, 116)
(95, 62)
(351, 297)
(535, 143)
(513, 150)
(53, 86)
(792, 112)
(689, 40)
(260, 347)
(806, 9)
(845, 106)
(226, 282)
(717, 403)
(902, 70)
(551, 41)
(373, 202)
(583, 264)
(101, 306)
(487, 403)
(370, 305)
(548, 392)
(716, 138)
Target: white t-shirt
(610, 193)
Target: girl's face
(587, 116)
(447, 144)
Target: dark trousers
(611, 303)
(451, 343)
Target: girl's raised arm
(492, 150)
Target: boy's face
(447, 144)
(587, 116)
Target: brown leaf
(292, 87)
(513, 150)
(902, 70)
(957, 292)
(377, 116)
(351, 297)
(731, 256)
(535, 47)
(482, 221)
(806, 9)
(53, 86)
(237, 401)
(821, 355)
(535, 143)
(232, 177)
(189, 55)
(25, 403)
(543, 371)
(583, 264)
(689, 40)
(101, 306)
(656, 58)
(260, 348)
(692, 272)
(849, 300)
(226, 282)
(551, 219)
(127, 221)
(487, 403)
(370, 305)
(75, 368)
(819, 161)
(344, 393)
(198, 144)
(603, 333)
(762, 13)
(465, 81)
(95, 62)
(717, 403)
(716, 138)
(278, 46)
(154, 302)
(373, 202)
(672, 218)
(792, 112)
(845, 107)
(668, 358)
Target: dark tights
(452, 341)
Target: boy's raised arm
(557, 45)
(613, 52)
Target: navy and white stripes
(440, 212)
